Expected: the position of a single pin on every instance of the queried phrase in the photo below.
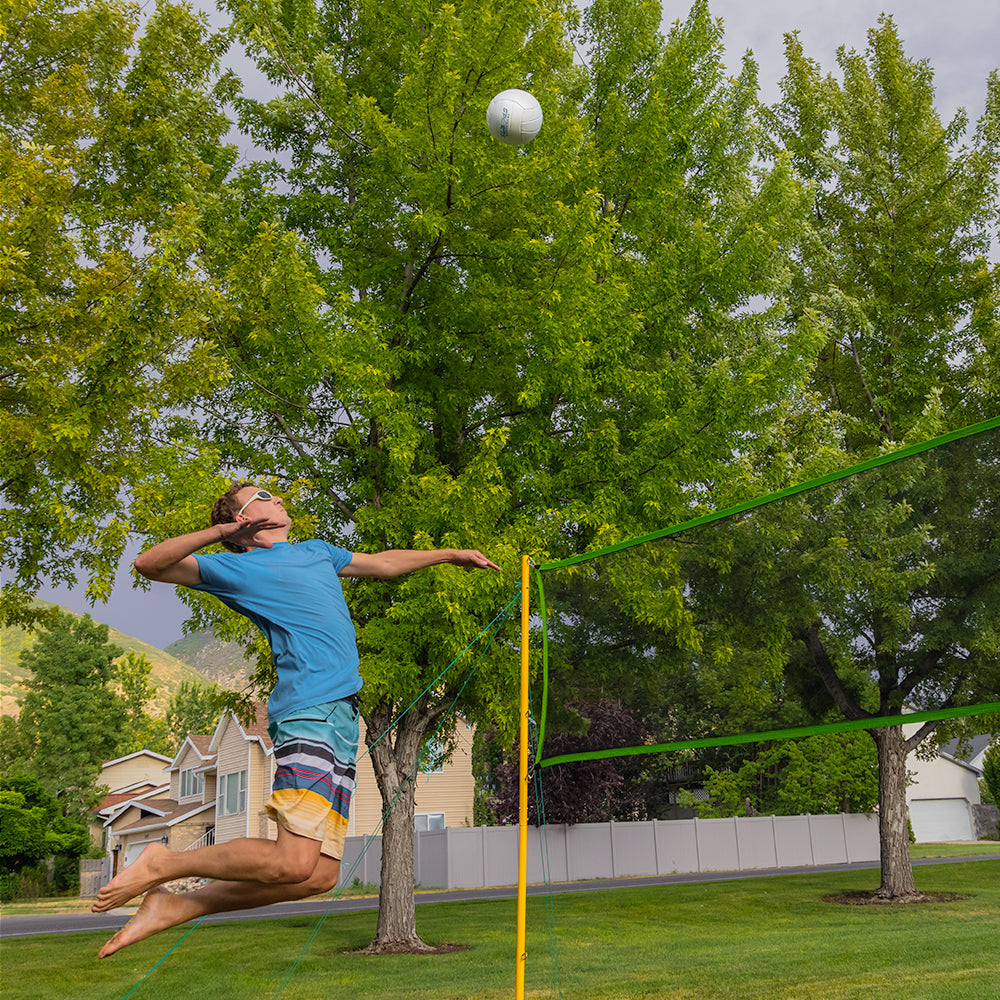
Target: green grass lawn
(759, 939)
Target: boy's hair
(224, 511)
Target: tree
(896, 261)
(426, 339)
(991, 770)
(196, 708)
(432, 340)
(71, 717)
(110, 162)
(140, 730)
(582, 791)
(33, 829)
(818, 774)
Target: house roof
(256, 730)
(114, 804)
(148, 803)
(137, 791)
(201, 743)
(209, 764)
(166, 819)
(976, 745)
(137, 753)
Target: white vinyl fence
(477, 857)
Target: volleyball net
(864, 598)
(875, 587)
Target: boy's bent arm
(173, 561)
(397, 562)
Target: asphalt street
(31, 925)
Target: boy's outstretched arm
(397, 562)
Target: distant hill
(222, 662)
(169, 671)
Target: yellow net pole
(522, 815)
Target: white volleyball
(514, 117)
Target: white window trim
(438, 818)
(194, 777)
(222, 791)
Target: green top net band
(863, 723)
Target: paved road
(76, 923)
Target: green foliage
(71, 718)
(195, 708)
(897, 256)
(22, 832)
(140, 730)
(109, 163)
(991, 771)
(32, 831)
(815, 775)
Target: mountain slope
(168, 672)
(222, 662)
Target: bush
(66, 875)
(8, 886)
(991, 770)
(31, 882)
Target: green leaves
(70, 718)
(901, 230)
(108, 162)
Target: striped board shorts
(315, 750)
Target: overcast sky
(960, 39)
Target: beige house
(136, 776)
(215, 788)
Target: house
(974, 751)
(943, 792)
(135, 776)
(218, 785)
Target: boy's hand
(245, 532)
(472, 559)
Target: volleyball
(514, 117)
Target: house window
(432, 761)
(232, 794)
(428, 821)
(192, 783)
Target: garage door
(132, 851)
(935, 820)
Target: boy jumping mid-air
(293, 593)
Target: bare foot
(137, 878)
(159, 910)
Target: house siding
(133, 770)
(237, 753)
(189, 759)
(366, 805)
(451, 791)
(232, 757)
(211, 786)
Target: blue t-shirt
(293, 593)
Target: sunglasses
(259, 495)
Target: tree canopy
(110, 159)
(423, 338)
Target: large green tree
(71, 717)
(432, 339)
(110, 161)
(897, 263)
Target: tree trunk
(394, 759)
(893, 828)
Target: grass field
(759, 939)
